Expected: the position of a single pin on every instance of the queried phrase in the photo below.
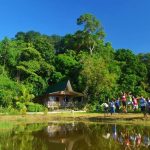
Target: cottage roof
(62, 88)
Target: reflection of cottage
(67, 137)
(61, 95)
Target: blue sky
(126, 22)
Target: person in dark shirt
(117, 105)
(112, 106)
(143, 104)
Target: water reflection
(75, 136)
(70, 135)
(96, 136)
(130, 137)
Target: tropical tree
(33, 69)
(92, 32)
(145, 58)
(97, 78)
(8, 91)
(133, 72)
(83, 40)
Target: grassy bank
(76, 116)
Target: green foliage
(9, 110)
(21, 107)
(145, 59)
(97, 79)
(34, 107)
(30, 60)
(30, 54)
(45, 111)
(91, 25)
(94, 107)
(84, 40)
(66, 65)
(6, 125)
(8, 90)
(34, 70)
(24, 96)
(23, 111)
(10, 51)
(133, 75)
(42, 43)
(92, 32)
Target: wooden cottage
(61, 95)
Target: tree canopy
(30, 59)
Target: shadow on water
(75, 136)
(107, 119)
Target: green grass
(6, 125)
(135, 118)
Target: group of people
(127, 102)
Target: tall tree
(91, 33)
(33, 69)
(42, 43)
(4, 51)
(83, 40)
(133, 72)
(97, 79)
(145, 58)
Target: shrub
(9, 110)
(90, 108)
(34, 107)
(23, 111)
(45, 111)
(20, 106)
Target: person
(143, 104)
(129, 102)
(112, 106)
(117, 105)
(123, 98)
(135, 103)
(148, 105)
(105, 107)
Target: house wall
(55, 101)
(61, 101)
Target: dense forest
(30, 60)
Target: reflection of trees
(75, 136)
(21, 137)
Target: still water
(75, 136)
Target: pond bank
(129, 118)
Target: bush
(23, 111)
(34, 107)
(9, 110)
(20, 106)
(45, 111)
(90, 108)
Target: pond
(74, 136)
